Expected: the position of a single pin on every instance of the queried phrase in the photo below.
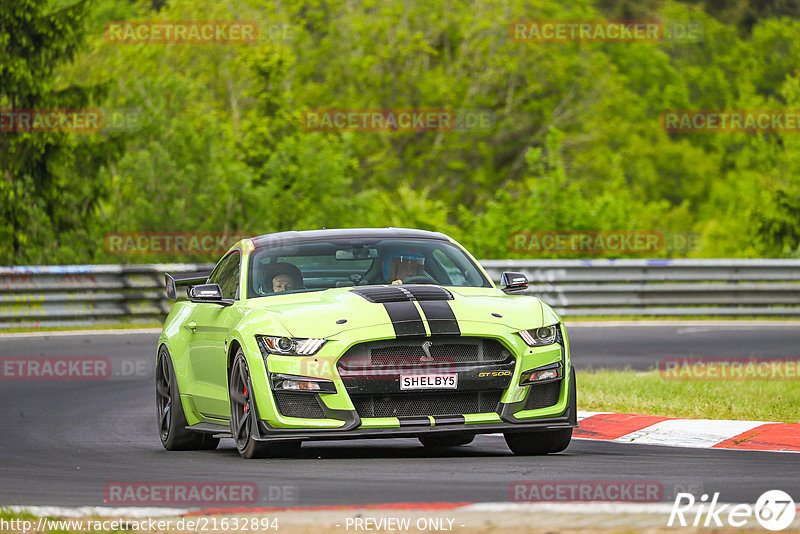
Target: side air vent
(543, 395)
(294, 405)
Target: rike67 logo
(774, 510)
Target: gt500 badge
(494, 373)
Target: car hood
(332, 311)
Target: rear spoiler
(172, 281)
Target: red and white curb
(695, 433)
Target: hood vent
(383, 294)
(429, 293)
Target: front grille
(415, 404)
(543, 395)
(294, 405)
(410, 354)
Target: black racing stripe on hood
(440, 316)
(399, 304)
(405, 318)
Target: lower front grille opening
(543, 395)
(416, 404)
(294, 405)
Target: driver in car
(403, 267)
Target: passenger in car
(282, 282)
(280, 277)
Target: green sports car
(359, 333)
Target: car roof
(304, 236)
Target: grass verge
(647, 393)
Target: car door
(210, 325)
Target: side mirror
(510, 282)
(169, 282)
(173, 281)
(208, 294)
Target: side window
(456, 275)
(227, 275)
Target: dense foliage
(215, 142)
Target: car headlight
(289, 346)
(539, 337)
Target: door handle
(192, 325)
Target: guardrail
(82, 295)
(79, 295)
(661, 287)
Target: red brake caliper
(244, 408)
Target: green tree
(49, 188)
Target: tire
(537, 443)
(169, 409)
(437, 441)
(244, 417)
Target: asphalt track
(62, 442)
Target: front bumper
(549, 424)
(488, 398)
(415, 426)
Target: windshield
(322, 265)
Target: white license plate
(449, 381)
